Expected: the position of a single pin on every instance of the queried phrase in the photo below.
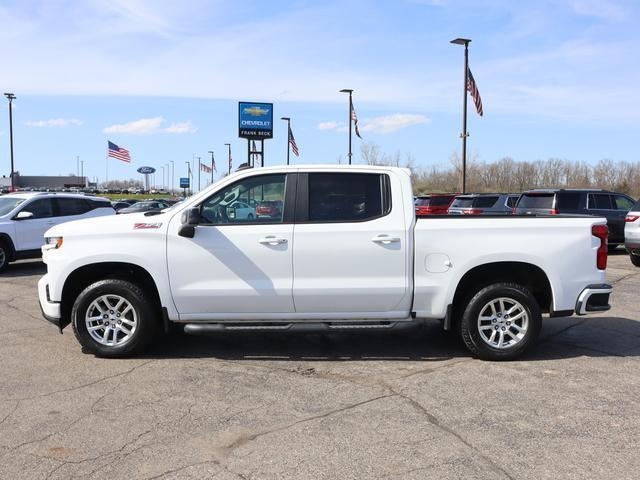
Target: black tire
(146, 317)
(250, 216)
(470, 331)
(4, 255)
(635, 259)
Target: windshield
(8, 203)
(536, 200)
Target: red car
(434, 204)
(271, 209)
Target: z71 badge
(146, 226)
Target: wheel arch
(527, 274)
(85, 275)
(8, 241)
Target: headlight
(53, 242)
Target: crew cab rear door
(235, 266)
(350, 246)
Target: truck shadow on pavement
(24, 269)
(561, 338)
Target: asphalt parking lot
(406, 405)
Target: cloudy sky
(557, 78)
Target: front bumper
(50, 310)
(594, 299)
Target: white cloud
(181, 127)
(328, 125)
(149, 126)
(55, 122)
(392, 123)
(606, 10)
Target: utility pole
(228, 145)
(288, 120)
(350, 92)
(465, 133)
(11, 97)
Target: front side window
(345, 197)
(40, 208)
(258, 199)
(485, 202)
(7, 204)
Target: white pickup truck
(322, 247)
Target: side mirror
(23, 215)
(190, 219)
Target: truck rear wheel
(500, 321)
(113, 318)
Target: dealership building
(44, 181)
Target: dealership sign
(146, 170)
(184, 182)
(255, 120)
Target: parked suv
(632, 234)
(484, 204)
(601, 203)
(24, 217)
(434, 204)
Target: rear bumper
(50, 310)
(594, 299)
(633, 246)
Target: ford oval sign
(146, 170)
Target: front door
(30, 231)
(351, 245)
(237, 266)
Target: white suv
(632, 234)
(24, 217)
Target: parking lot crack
(436, 423)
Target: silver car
(632, 234)
(484, 204)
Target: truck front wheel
(113, 318)
(500, 321)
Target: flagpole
(229, 146)
(288, 120)
(199, 168)
(106, 162)
(465, 133)
(350, 92)
(213, 162)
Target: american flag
(118, 152)
(355, 120)
(292, 141)
(472, 88)
(205, 168)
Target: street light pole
(288, 120)
(350, 92)
(188, 170)
(464, 134)
(172, 174)
(229, 146)
(82, 172)
(199, 168)
(11, 97)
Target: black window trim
(302, 197)
(290, 185)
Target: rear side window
(346, 197)
(485, 202)
(622, 203)
(511, 201)
(600, 201)
(71, 206)
(568, 201)
(536, 200)
(93, 204)
(463, 202)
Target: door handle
(385, 239)
(272, 240)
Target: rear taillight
(631, 218)
(601, 232)
(513, 211)
(472, 211)
(554, 212)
